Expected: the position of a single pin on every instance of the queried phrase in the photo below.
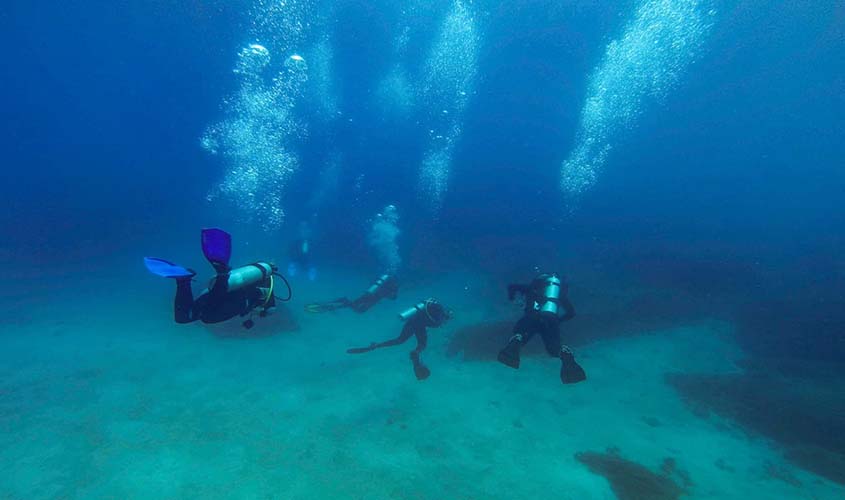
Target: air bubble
(644, 64)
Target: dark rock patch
(669, 467)
(604, 310)
(482, 341)
(824, 462)
(806, 418)
(781, 474)
(630, 480)
(651, 421)
(723, 465)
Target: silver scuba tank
(245, 276)
(378, 284)
(413, 311)
(551, 294)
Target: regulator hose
(290, 291)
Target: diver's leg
(210, 308)
(551, 340)
(407, 332)
(363, 303)
(420, 370)
(570, 371)
(183, 304)
(523, 330)
(422, 340)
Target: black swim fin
(319, 307)
(509, 356)
(420, 370)
(360, 350)
(570, 371)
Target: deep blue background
(734, 187)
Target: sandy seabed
(104, 397)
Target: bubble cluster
(257, 135)
(383, 238)
(394, 93)
(281, 25)
(642, 66)
(328, 182)
(259, 131)
(452, 62)
(435, 168)
(322, 79)
(449, 77)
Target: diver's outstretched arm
(363, 303)
(408, 331)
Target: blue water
(680, 161)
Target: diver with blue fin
(427, 314)
(232, 292)
(545, 296)
(385, 287)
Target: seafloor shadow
(804, 415)
(630, 480)
(607, 317)
(280, 321)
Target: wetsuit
(388, 289)
(217, 304)
(416, 326)
(532, 322)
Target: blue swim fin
(217, 248)
(161, 267)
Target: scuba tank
(245, 276)
(378, 284)
(550, 292)
(413, 311)
(422, 307)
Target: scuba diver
(426, 314)
(544, 298)
(232, 292)
(301, 255)
(385, 287)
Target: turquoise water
(678, 161)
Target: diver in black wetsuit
(544, 298)
(385, 287)
(218, 303)
(231, 293)
(426, 314)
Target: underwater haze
(678, 163)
